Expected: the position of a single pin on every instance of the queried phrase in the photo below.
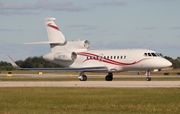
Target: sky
(107, 24)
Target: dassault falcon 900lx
(75, 56)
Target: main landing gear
(148, 78)
(83, 77)
(109, 77)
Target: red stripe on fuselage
(106, 60)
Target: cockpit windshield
(151, 54)
(154, 55)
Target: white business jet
(75, 56)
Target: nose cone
(166, 63)
(163, 63)
(156, 63)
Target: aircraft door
(100, 58)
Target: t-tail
(55, 36)
(57, 40)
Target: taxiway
(111, 84)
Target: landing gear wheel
(148, 73)
(148, 79)
(83, 78)
(109, 77)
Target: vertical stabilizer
(54, 34)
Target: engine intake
(71, 45)
(86, 44)
(65, 56)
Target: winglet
(13, 63)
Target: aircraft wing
(100, 68)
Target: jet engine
(71, 45)
(64, 56)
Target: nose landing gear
(148, 73)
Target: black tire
(148, 79)
(84, 77)
(108, 78)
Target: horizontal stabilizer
(45, 42)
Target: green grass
(89, 100)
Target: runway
(105, 84)
(110, 84)
(89, 75)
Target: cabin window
(124, 57)
(111, 57)
(117, 57)
(114, 57)
(121, 57)
(149, 54)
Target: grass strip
(53, 100)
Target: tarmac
(99, 84)
(109, 84)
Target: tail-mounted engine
(66, 56)
(71, 45)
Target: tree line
(175, 62)
(30, 62)
(39, 62)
